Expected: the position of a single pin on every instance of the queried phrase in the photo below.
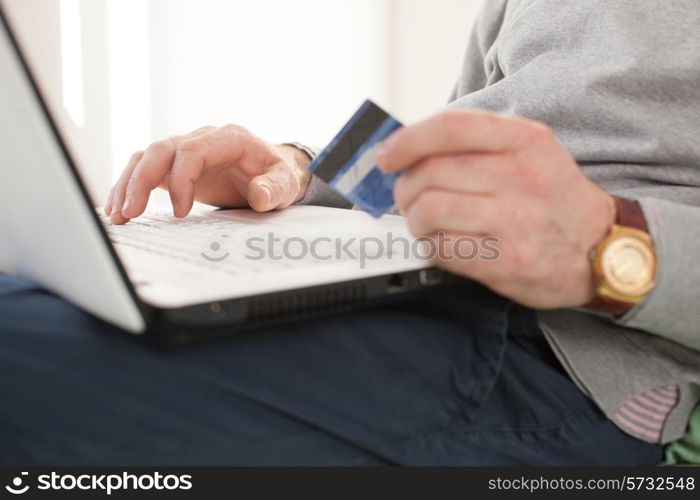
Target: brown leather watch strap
(608, 305)
(629, 214)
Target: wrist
(603, 217)
(624, 262)
(301, 160)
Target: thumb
(276, 188)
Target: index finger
(453, 131)
(150, 171)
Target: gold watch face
(628, 265)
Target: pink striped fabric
(645, 414)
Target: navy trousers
(449, 378)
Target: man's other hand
(475, 174)
(227, 167)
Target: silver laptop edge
(49, 232)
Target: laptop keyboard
(217, 244)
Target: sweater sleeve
(619, 83)
(671, 309)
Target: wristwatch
(624, 262)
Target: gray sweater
(619, 82)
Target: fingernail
(383, 152)
(389, 143)
(116, 208)
(381, 159)
(126, 205)
(268, 193)
(179, 210)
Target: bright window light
(72, 61)
(130, 72)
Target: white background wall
(286, 69)
(428, 46)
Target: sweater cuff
(670, 309)
(319, 193)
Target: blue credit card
(348, 164)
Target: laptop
(213, 273)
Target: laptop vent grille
(303, 304)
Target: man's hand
(481, 174)
(225, 167)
